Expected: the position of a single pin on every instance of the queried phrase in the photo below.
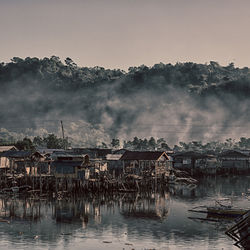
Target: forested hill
(181, 102)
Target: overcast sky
(123, 33)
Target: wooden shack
(146, 163)
(4, 161)
(235, 161)
(26, 162)
(207, 165)
(187, 161)
(114, 164)
(66, 165)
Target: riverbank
(113, 220)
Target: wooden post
(40, 178)
(155, 176)
(56, 185)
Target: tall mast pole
(63, 135)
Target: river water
(123, 221)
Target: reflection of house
(67, 212)
(153, 208)
(146, 163)
(20, 210)
(235, 160)
(80, 211)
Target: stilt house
(235, 161)
(146, 163)
(66, 165)
(26, 162)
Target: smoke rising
(181, 102)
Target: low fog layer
(180, 102)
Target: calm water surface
(124, 221)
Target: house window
(186, 161)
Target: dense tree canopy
(190, 101)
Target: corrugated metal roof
(235, 152)
(48, 150)
(113, 157)
(191, 154)
(67, 154)
(142, 155)
(7, 148)
(18, 154)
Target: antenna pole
(63, 135)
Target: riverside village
(62, 175)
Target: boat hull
(226, 212)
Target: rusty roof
(143, 155)
(7, 148)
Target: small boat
(181, 180)
(230, 212)
(222, 208)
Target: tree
(244, 143)
(53, 142)
(38, 141)
(135, 142)
(152, 143)
(69, 62)
(104, 145)
(145, 144)
(176, 148)
(229, 143)
(165, 147)
(25, 144)
(115, 143)
(184, 146)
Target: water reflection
(153, 206)
(20, 210)
(155, 220)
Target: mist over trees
(182, 102)
(137, 144)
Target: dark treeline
(51, 142)
(181, 102)
(54, 74)
(137, 144)
(160, 144)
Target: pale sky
(124, 33)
